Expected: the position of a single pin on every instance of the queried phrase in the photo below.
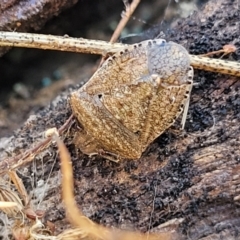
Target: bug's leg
(86, 143)
(185, 111)
(184, 116)
(110, 156)
(89, 146)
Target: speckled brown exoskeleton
(133, 98)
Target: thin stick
(29, 40)
(216, 65)
(26, 157)
(65, 43)
(227, 49)
(125, 18)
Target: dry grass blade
(85, 227)
(19, 185)
(4, 205)
(10, 203)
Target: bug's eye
(138, 133)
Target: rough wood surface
(21, 15)
(190, 178)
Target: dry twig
(87, 228)
(125, 18)
(26, 157)
(29, 40)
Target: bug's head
(168, 60)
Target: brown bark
(22, 16)
(190, 178)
